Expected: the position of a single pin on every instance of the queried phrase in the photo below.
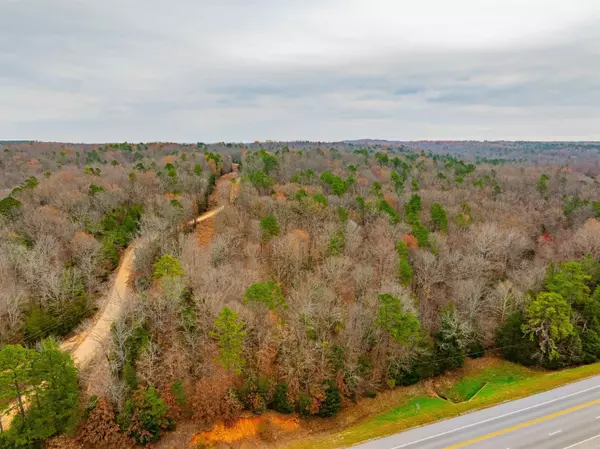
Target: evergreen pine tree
(230, 334)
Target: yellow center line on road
(522, 425)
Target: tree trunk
(19, 398)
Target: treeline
(582, 156)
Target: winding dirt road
(85, 346)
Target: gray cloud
(328, 70)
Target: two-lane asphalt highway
(564, 418)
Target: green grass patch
(495, 377)
(505, 381)
(463, 391)
(414, 407)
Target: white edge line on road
(554, 433)
(498, 417)
(581, 442)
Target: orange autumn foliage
(212, 165)
(280, 196)
(168, 159)
(34, 164)
(213, 398)
(592, 224)
(362, 181)
(410, 241)
(243, 428)
(391, 199)
(300, 239)
(101, 428)
(377, 171)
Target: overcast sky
(234, 70)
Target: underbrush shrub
(305, 404)
(255, 395)
(214, 398)
(144, 416)
(178, 393)
(320, 400)
(101, 428)
(590, 340)
(281, 401)
(135, 342)
(570, 354)
(421, 366)
(361, 385)
(404, 377)
(176, 400)
(332, 401)
(475, 350)
(513, 343)
(343, 214)
(142, 283)
(130, 376)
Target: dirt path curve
(85, 346)
(206, 215)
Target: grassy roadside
(494, 383)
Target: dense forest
(580, 156)
(335, 272)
